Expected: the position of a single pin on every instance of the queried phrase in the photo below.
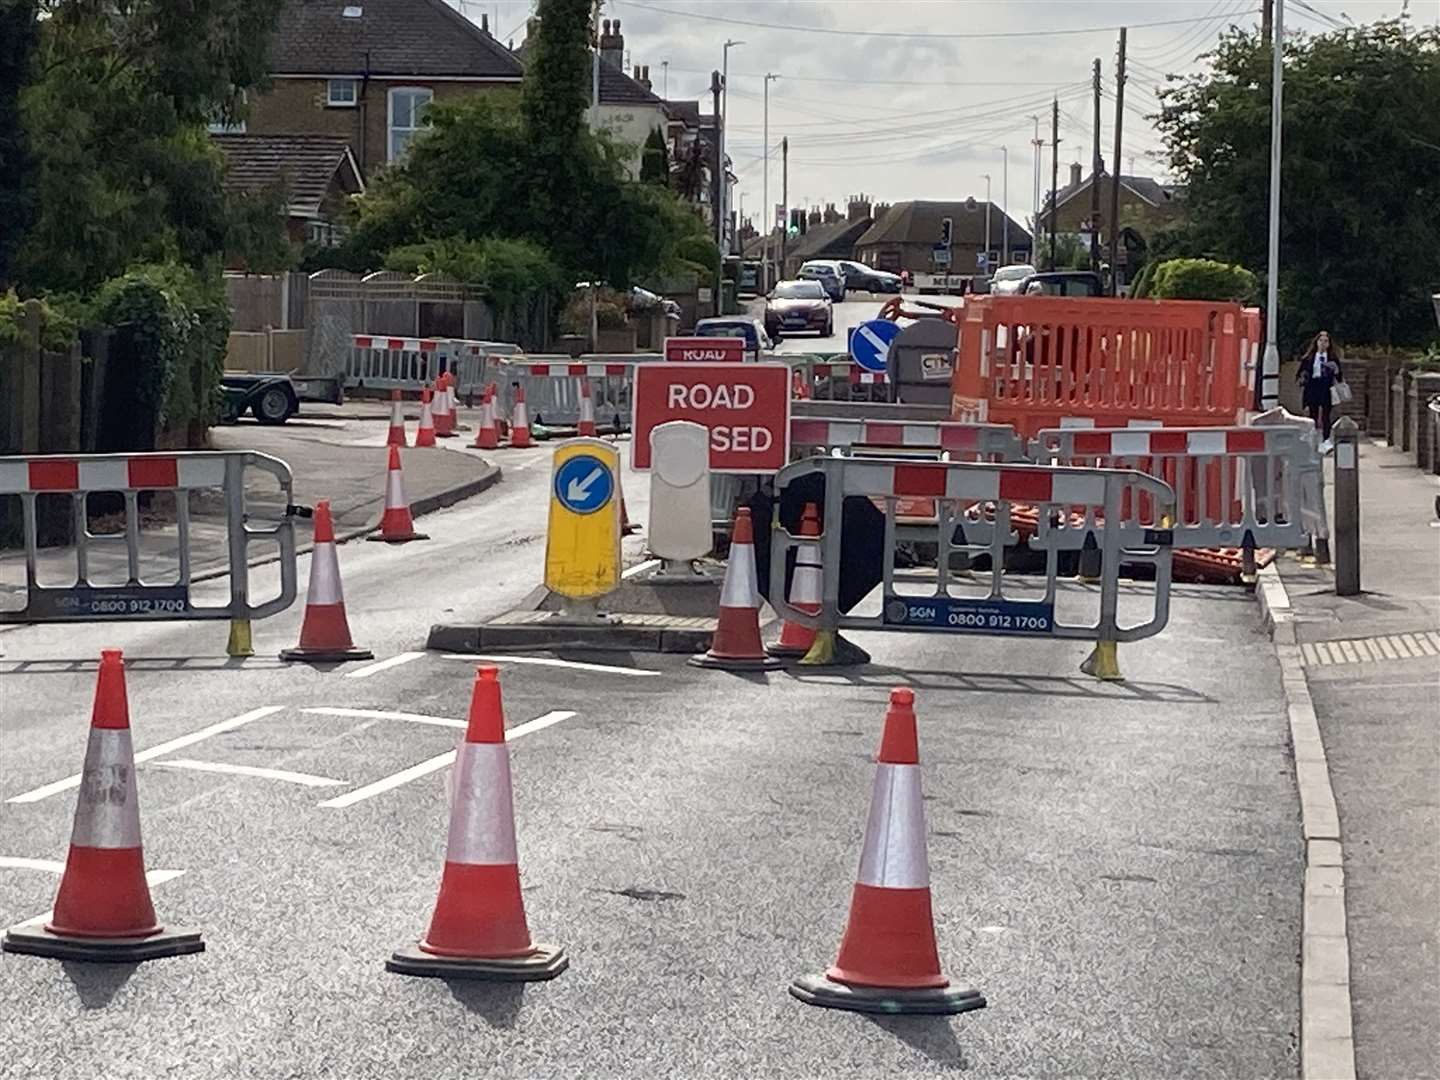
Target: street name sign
(582, 542)
(745, 408)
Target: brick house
(1145, 205)
(904, 237)
(364, 71)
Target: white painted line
(152, 878)
(18, 862)
(305, 779)
(383, 665)
(546, 661)
(640, 568)
(440, 761)
(1310, 654)
(156, 751)
(381, 714)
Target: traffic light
(946, 228)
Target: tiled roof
(617, 88)
(303, 166)
(388, 37)
(919, 223)
(835, 240)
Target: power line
(870, 33)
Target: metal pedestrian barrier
(1068, 504)
(375, 362)
(552, 387)
(831, 377)
(101, 586)
(959, 442)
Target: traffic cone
(805, 589)
(587, 410)
(486, 437)
(396, 524)
(478, 930)
(445, 414)
(888, 962)
(103, 910)
(736, 644)
(520, 421)
(325, 633)
(425, 436)
(397, 422)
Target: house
(908, 236)
(629, 110)
(364, 71)
(1145, 205)
(316, 174)
(830, 236)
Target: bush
(166, 358)
(701, 254)
(506, 271)
(58, 330)
(1202, 279)
(609, 311)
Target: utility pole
(720, 112)
(1115, 179)
(767, 212)
(1267, 22)
(988, 268)
(1005, 207)
(665, 79)
(1095, 181)
(1054, 171)
(1037, 146)
(717, 184)
(1270, 372)
(785, 202)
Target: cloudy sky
(906, 99)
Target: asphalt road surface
(1116, 866)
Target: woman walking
(1317, 374)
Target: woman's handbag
(1340, 392)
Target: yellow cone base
(1103, 663)
(832, 650)
(545, 962)
(239, 643)
(828, 994)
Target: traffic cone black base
(705, 660)
(377, 538)
(829, 994)
(546, 962)
(326, 656)
(37, 941)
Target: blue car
(752, 330)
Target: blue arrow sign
(870, 343)
(584, 484)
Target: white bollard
(679, 498)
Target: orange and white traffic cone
(396, 524)
(806, 585)
(736, 643)
(478, 930)
(325, 633)
(586, 426)
(425, 436)
(520, 421)
(444, 407)
(888, 962)
(397, 421)
(103, 910)
(486, 436)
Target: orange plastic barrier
(1036, 362)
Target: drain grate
(1423, 643)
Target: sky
(921, 99)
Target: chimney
(612, 43)
(1074, 174)
(831, 214)
(642, 75)
(858, 208)
(484, 22)
(814, 216)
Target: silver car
(828, 273)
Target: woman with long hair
(1318, 372)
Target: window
(407, 116)
(342, 93)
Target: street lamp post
(1270, 372)
(765, 208)
(724, 207)
(987, 224)
(1005, 207)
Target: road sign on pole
(870, 343)
(746, 409)
(582, 544)
(705, 350)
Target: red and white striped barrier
(396, 344)
(997, 441)
(139, 472)
(1017, 483)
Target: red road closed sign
(746, 408)
(705, 350)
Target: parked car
(1074, 283)
(1007, 279)
(869, 279)
(828, 274)
(794, 306)
(757, 340)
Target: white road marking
(546, 661)
(640, 568)
(440, 761)
(381, 714)
(156, 751)
(18, 862)
(383, 665)
(305, 779)
(152, 878)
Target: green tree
(690, 173)
(655, 160)
(19, 35)
(1360, 235)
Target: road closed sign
(705, 350)
(582, 543)
(744, 407)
